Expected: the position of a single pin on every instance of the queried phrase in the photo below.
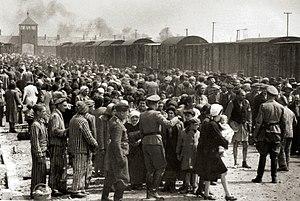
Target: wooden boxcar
(132, 52)
(66, 50)
(86, 50)
(152, 55)
(270, 57)
(92, 50)
(104, 52)
(172, 51)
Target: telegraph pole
(287, 22)
(135, 33)
(237, 34)
(213, 32)
(186, 32)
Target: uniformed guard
(154, 153)
(268, 133)
(117, 163)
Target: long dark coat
(209, 165)
(12, 100)
(136, 164)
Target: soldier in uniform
(268, 133)
(117, 163)
(154, 153)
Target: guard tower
(28, 37)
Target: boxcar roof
(111, 42)
(269, 39)
(182, 40)
(138, 41)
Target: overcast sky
(149, 17)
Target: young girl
(226, 132)
(186, 152)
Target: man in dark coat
(295, 107)
(117, 163)
(268, 133)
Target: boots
(105, 194)
(245, 165)
(119, 191)
(152, 192)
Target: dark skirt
(209, 165)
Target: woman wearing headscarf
(83, 94)
(170, 139)
(136, 165)
(209, 165)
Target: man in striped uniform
(117, 163)
(38, 141)
(81, 140)
(58, 147)
(92, 124)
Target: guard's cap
(153, 98)
(272, 90)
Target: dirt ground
(239, 179)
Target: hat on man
(58, 98)
(272, 90)
(121, 107)
(153, 98)
(215, 109)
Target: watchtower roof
(28, 21)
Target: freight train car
(172, 51)
(86, 52)
(132, 52)
(66, 50)
(263, 56)
(104, 51)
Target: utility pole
(287, 22)
(114, 37)
(135, 33)
(213, 32)
(237, 34)
(186, 32)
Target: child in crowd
(186, 153)
(226, 132)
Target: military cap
(122, 106)
(272, 90)
(153, 98)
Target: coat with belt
(117, 151)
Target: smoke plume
(165, 33)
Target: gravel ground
(239, 179)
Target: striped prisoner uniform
(58, 151)
(80, 141)
(38, 141)
(92, 125)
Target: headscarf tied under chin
(134, 113)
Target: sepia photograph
(142, 100)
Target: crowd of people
(138, 126)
